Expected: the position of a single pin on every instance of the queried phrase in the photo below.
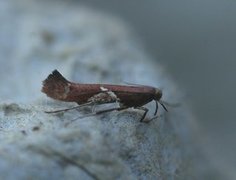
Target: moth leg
(109, 110)
(97, 113)
(154, 117)
(93, 108)
(68, 109)
(103, 97)
(145, 112)
(155, 113)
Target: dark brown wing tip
(54, 75)
(54, 85)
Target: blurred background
(196, 43)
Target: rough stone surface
(85, 46)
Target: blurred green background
(196, 42)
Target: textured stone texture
(85, 46)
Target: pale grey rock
(85, 46)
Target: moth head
(158, 94)
(157, 98)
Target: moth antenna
(171, 104)
(161, 103)
(56, 86)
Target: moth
(127, 96)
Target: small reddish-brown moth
(128, 96)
